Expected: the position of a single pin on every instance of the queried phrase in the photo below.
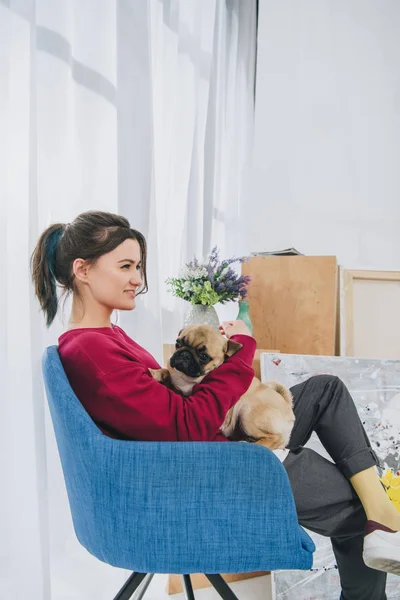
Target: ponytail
(44, 271)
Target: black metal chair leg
(187, 587)
(142, 588)
(130, 586)
(221, 586)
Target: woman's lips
(131, 293)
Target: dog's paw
(161, 375)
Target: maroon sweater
(108, 372)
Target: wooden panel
(370, 323)
(293, 303)
(168, 350)
(174, 585)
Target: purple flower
(224, 280)
(210, 274)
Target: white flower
(193, 273)
(187, 286)
(225, 270)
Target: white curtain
(202, 64)
(144, 108)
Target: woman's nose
(137, 279)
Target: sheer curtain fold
(141, 108)
(203, 64)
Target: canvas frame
(346, 309)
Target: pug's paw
(161, 375)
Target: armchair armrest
(181, 505)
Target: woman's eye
(127, 266)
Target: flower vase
(243, 314)
(198, 314)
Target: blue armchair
(173, 507)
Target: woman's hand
(230, 328)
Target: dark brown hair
(89, 236)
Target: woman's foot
(382, 548)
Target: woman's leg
(327, 504)
(326, 501)
(323, 404)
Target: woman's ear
(232, 347)
(80, 269)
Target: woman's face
(114, 279)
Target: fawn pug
(263, 415)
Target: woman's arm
(129, 403)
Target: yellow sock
(376, 502)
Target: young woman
(101, 261)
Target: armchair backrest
(77, 437)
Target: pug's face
(200, 349)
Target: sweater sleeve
(139, 407)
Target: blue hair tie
(52, 245)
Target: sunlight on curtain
(202, 60)
(59, 141)
(142, 108)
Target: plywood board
(370, 321)
(174, 583)
(293, 302)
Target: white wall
(326, 175)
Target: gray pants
(325, 499)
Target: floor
(258, 588)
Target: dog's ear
(232, 347)
(179, 341)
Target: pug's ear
(180, 332)
(232, 347)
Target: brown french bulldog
(263, 415)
